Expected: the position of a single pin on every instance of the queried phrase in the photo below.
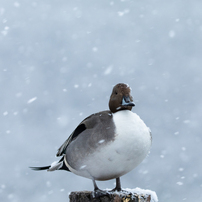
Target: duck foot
(99, 193)
(118, 186)
(116, 189)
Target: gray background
(58, 63)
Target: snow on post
(127, 195)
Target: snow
(176, 133)
(76, 86)
(95, 49)
(122, 13)
(5, 31)
(31, 100)
(16, 4)
(186, 121)
(181, 169)
(48, 184)
(179, 183)
(101, 141)
(83, 166)
(171, 33)
(5, 113)
(108, 70)
(139, 191)
(57, 40)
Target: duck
(106, 145)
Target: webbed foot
(118, 185)
(98, 193)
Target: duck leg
(118, 185)
(98, 192)
(95, 185)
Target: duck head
(121, 98)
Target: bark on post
(88, 196)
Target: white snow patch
(17, 4)
(195, 175)
(2, 10)
(63, 120)
(108, 70)
(144, 172)
(32, 100)
(138, 191)
(101, 141)
(76, 86)
(48, 184)
(179, 183)
(82, 167)
(171, 33)
(181, 169)
(5, 113)
(122, 13)
(5, 31)
(183, 148)
(186, 121)
(10, 196)
(18, 94)
(95, 49)
(147, 192)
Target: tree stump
(124, 196)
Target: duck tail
(40, 168)
(57, 165)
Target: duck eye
(116, 93)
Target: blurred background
(59, 61)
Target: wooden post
(125, 196)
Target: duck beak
(127, 102)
